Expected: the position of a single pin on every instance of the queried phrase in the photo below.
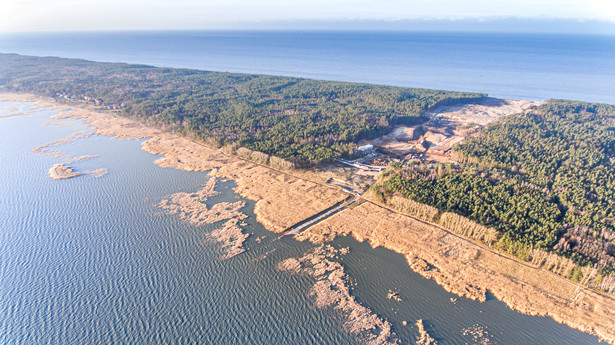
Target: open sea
(93, 260)
(518, 66)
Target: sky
(86, 15)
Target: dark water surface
(518, 66)
(94, 261)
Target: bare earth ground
(455, 263)
(447, 126)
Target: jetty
(304, 224)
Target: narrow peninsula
(514, 198)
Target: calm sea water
(94, 261)
(519, 66)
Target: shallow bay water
(93, 260)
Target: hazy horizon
(560, 16)
(492, 25)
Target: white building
(366, 148)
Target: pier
(304, 224)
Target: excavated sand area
(447, 126)
(483, 112)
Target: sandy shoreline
(283, 200)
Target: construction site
(427, 143)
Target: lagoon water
(518, 66)
(94, 261)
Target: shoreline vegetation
(285, 198)
(332, 289)
(192, 208)
(301, 121)
(535, 188)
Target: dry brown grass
(332, 289)
(457, 264)
(282, 200)
(467, 269)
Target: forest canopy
(302, 120)
(545, 179)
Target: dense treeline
(511, 209)
(545, 180)
(293, 118)
(566, 149)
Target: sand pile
(447, 126)
(332, 289)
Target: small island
(62, 172)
